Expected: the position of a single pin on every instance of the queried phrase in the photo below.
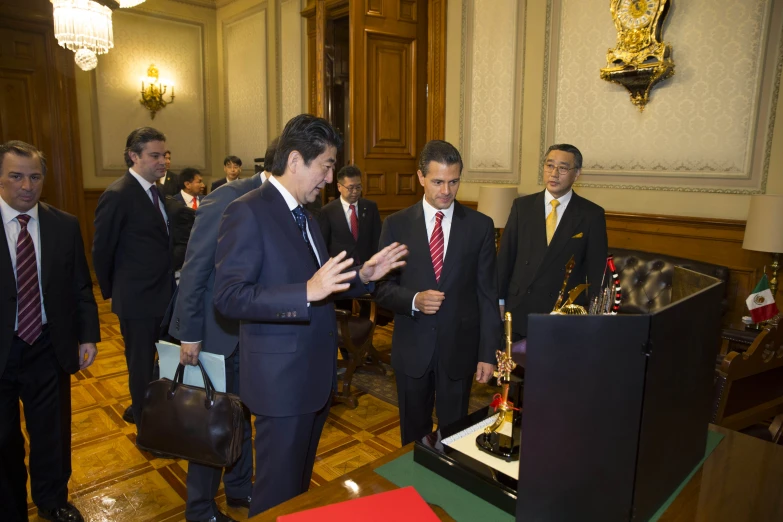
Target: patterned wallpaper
(290, 60)
(244, 48)
(702, 130)
(176, 49)
(492, 92)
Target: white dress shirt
(292, 204)
(188, 198)
(12, 230)
(429, 220)
(347, 212)
(146, 186)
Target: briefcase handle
(179, 375)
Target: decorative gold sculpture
(152, 94)
(641, 59)
(569, 308)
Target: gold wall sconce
(153, 90)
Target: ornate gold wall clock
(641, 59)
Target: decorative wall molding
(709, 129)
(116, 83)
(246, 97)
(491, 90)
(290, 61)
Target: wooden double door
(394, 54)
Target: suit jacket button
(527, 263)
(529, 291)
(330, 334)
(294, 313)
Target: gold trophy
(491, 440)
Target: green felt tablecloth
(462, 505)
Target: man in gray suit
(195, 317)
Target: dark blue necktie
(301, 221)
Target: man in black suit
(351, 223)
(199, 326)
(543, 231)
(170, 184)
(274, 274)
(132, 256)
(232, 166)
(48, 330)
(446, 325)
(181, 209)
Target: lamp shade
(496, 203)
(764, 230)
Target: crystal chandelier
(85, 27)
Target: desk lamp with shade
(495, 202)
(763, 231)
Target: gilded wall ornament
(641, 59)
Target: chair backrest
(749, 385)
(646, 278)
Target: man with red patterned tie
(446, 325)
(48, 330)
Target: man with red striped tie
(446, 325)
(48, 330)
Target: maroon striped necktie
(354, 223)
(436, 246)
(28, 292)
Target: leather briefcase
(187, 422)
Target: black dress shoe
(220, 517)
(66, 513)
(238, 502)
(127, 416)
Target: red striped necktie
(436, 246)
(354, 223)
(27, 290)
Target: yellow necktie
(551, 221)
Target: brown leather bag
(192, 423)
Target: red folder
(391, 506)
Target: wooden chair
(355, 329)
(749, 385)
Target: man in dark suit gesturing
(274, 274)
(350, 222)
(48, 330)
(199, 326)
(446, 325)
(543, 231)
(132, 258)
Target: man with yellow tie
(542, 233)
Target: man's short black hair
(167, 153)
(138, 138)
(307, 134)
(188, 174)
(269, 157)
(439, 151)
(232, 159)
(21, 148)
(565, 147)
(349, 171)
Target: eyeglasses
(562, 169)
(351, 188)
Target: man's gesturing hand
(383, 262)
(428, 302)
(329, 279)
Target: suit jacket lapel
(287, 224)
(318, 239)
(48, 236)
(141, 193)
(571, 219)
(6, 268)
(456, 240)
(342, 222)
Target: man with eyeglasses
(351, 223)
(543, 231)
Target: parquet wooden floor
(113, 481)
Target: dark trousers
(203, 481)
(34, 375)
(140, 336)
(416, 397)
(285, 455)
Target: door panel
(388, 104)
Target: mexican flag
(761, 303)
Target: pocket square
(577, 236)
